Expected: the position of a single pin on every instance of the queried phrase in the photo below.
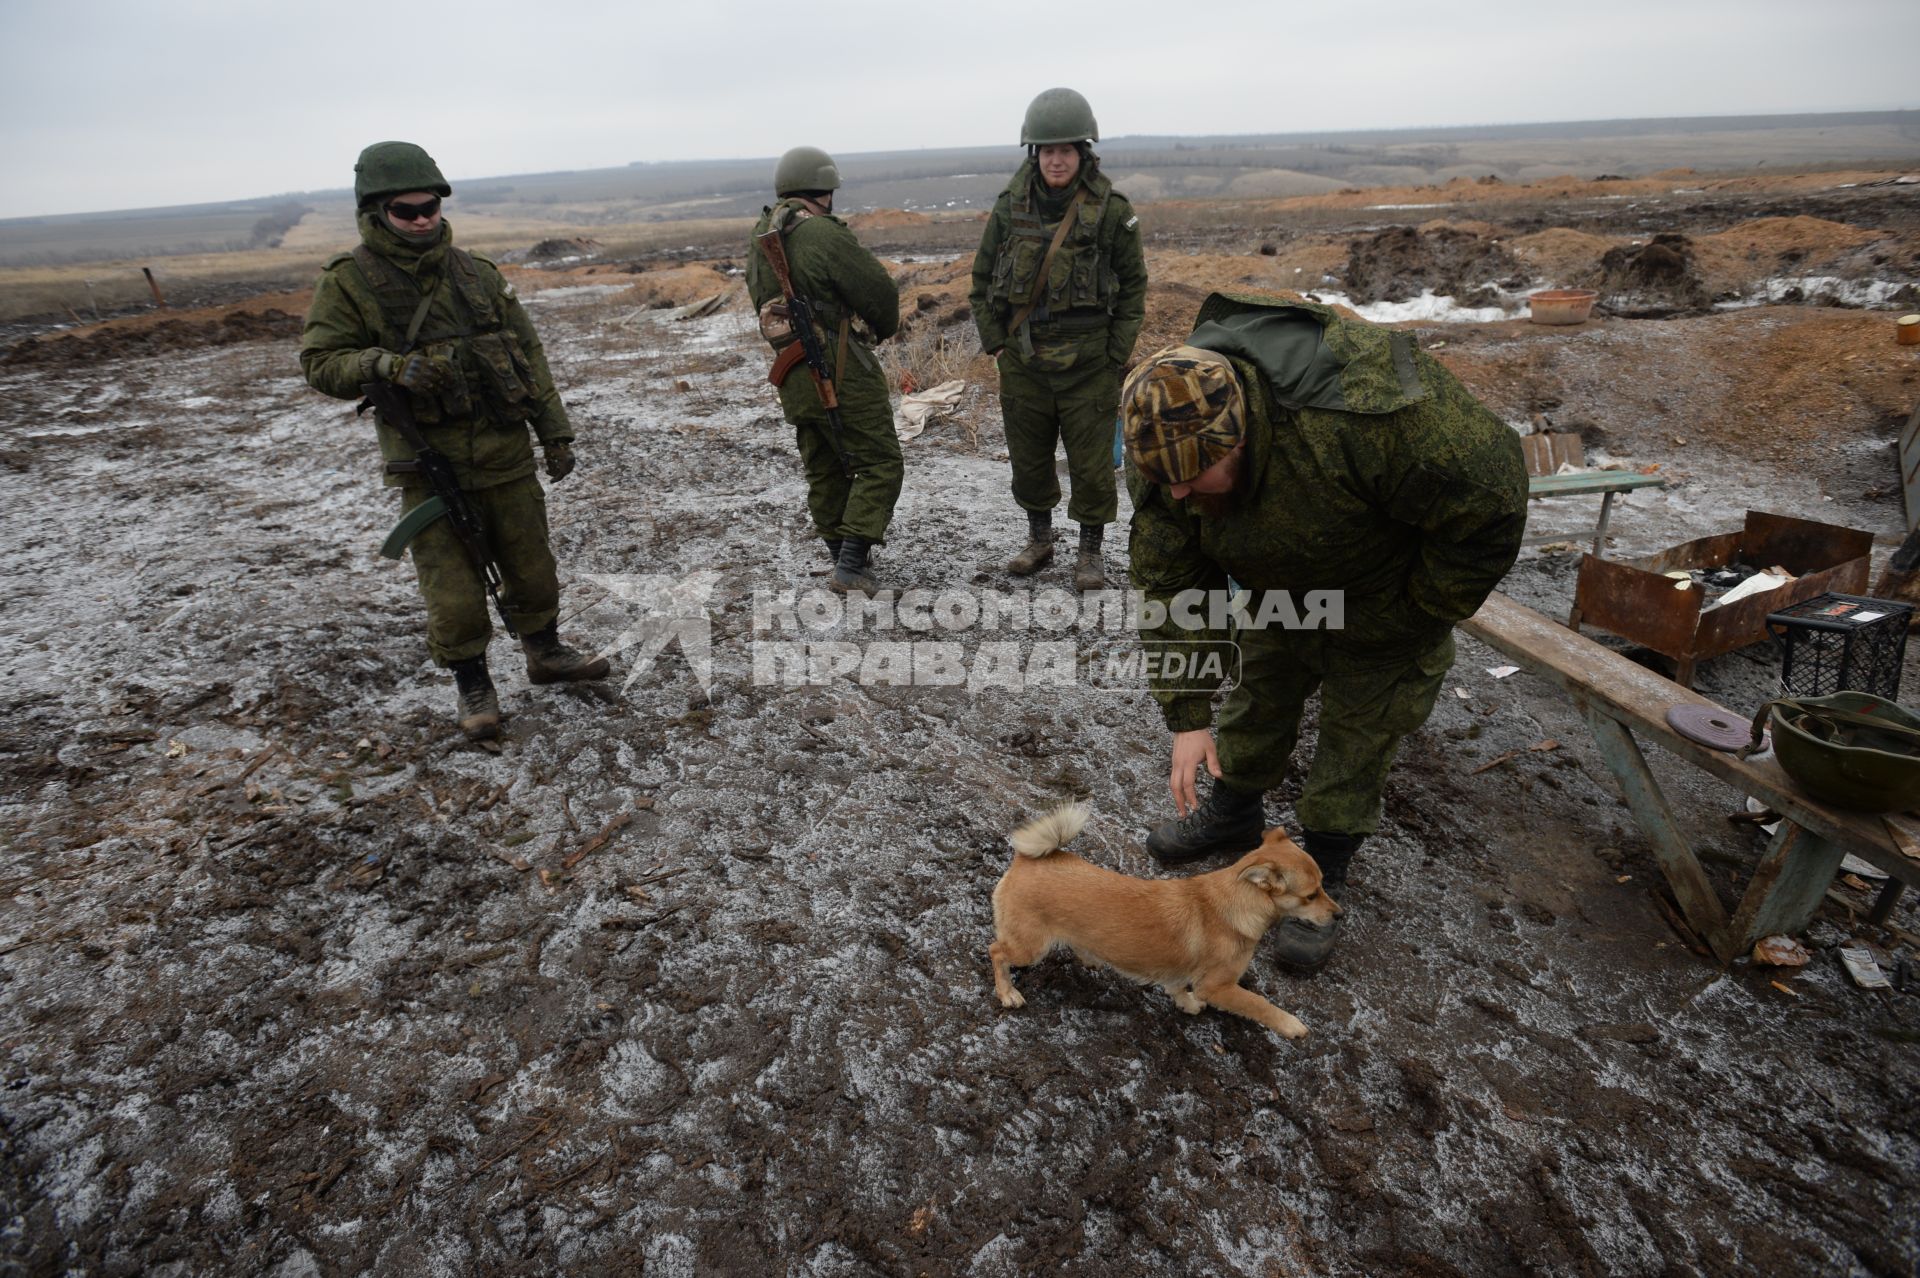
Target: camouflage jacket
(475, 321)
(1096, 289)
(842, 281)
(1369, 470)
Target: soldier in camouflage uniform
(1062, 341)
(440, 323)
(1292, 449)
(843, 283)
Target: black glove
(422, 374)
(559, 459)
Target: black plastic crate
(1834, 643)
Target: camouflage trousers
(840, 507)
(1076, 406)
(1365, 712)
(459, 615)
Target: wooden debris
(598, 841)
(1680, 928)
(258, 759)
(519, 863)
(1508, 757)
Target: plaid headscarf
(1185, 410)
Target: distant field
(526, 207)
(59, 267)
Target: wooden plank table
(1578, 483)
(1619, 699)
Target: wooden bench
(1619, 699)
(1546, 453)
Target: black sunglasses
(403, 212)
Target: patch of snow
(1429, 306)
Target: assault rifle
(774, 245)
(390, 402)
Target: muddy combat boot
(850, 574)
(1039, 551)
(833, 549)
(479, 708)
(1298, 945)
(1227, 821)
(1089, 573)
(550, 661)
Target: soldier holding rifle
(438, 343)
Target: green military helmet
(805, 168)
(1850, 749)
(389, 168)
(1058, 115)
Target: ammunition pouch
(1078, 275)
(776, 324)
(506, 374)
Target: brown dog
(1193, 937)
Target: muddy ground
(692, 980)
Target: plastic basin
(1561, 305)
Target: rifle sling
(1040, 280)
(420, 314)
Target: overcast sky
(123, 104)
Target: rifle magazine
(415, 522)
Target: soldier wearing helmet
(408, 307)
(1059, 293)
(1290, 449)
(850, 292)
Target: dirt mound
(114, 341)
(933, 292)
(883, 219)
(1660, 277)
(561, 249)
(1736, 260)
(1401, 262)
(679, 285)
(1805, 391)
(1797, 238)
(1561, 256)
(1211, 271)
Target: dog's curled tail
(1051, 832)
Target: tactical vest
(476, 340)
(1082, 277)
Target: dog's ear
(1259, 874)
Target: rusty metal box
(1637, 602)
